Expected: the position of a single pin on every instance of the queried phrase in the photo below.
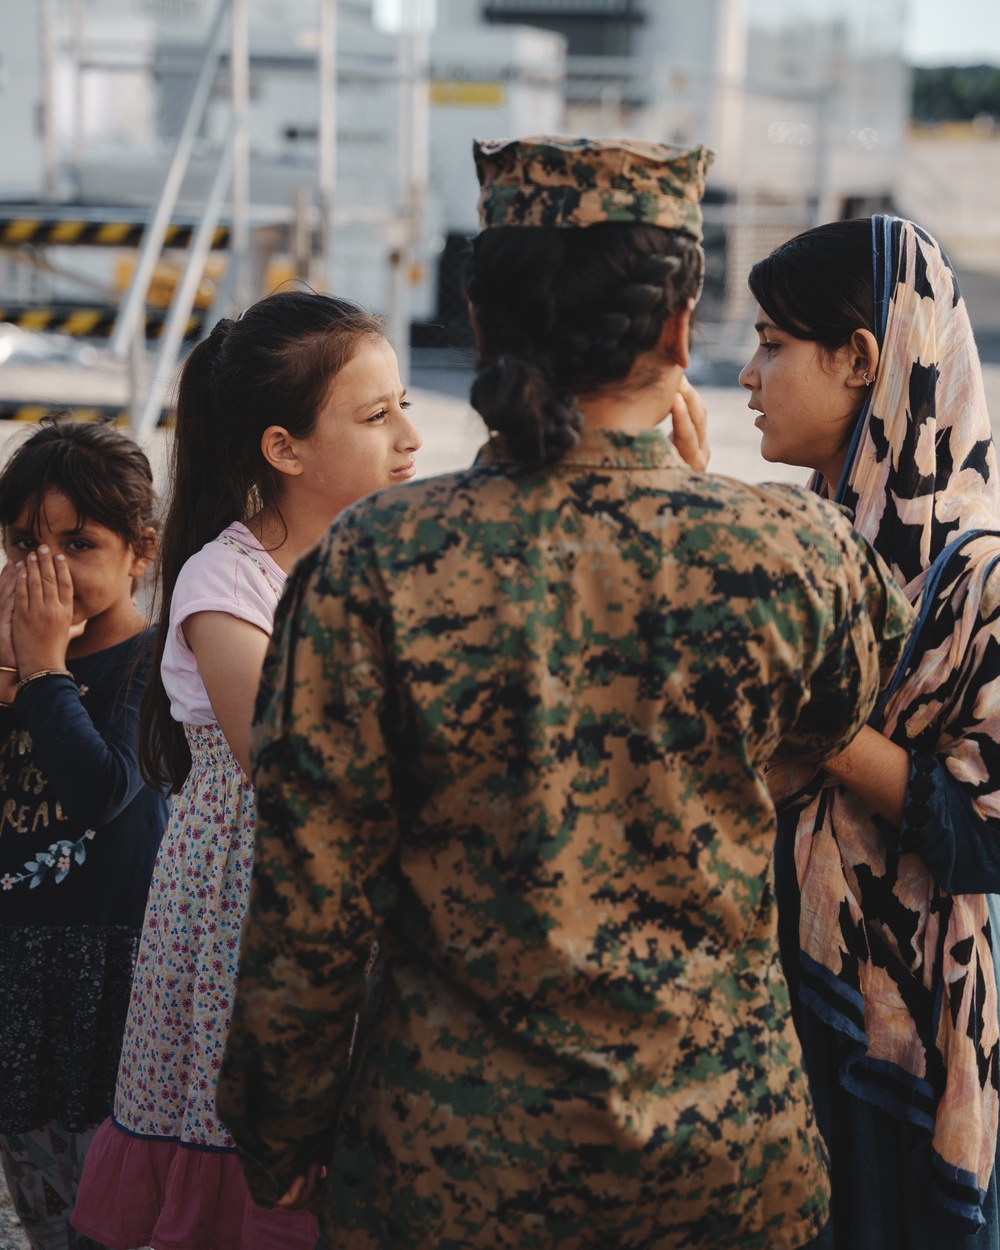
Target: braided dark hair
(274, 366)
(561, 313)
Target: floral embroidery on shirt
(56, 863)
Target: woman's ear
(675, 337)
(278, 448)
(863, 358)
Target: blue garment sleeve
(93, 774)
(960, 848)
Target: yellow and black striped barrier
(12, 410)
(22, 228)
(113, 414)
(82, 321)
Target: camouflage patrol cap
(549, 180)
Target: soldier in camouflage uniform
(513, 728)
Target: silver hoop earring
(868, 380)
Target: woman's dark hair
(561, 313)
(101, 471)
(820, 285)
(273, 366)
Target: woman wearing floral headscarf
(867, 372)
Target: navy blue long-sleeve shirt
(74, 804)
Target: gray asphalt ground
(11, 1235)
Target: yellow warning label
(19, 230)
(35, 318)
(67, 231)
(459, 93)
(113, 232)
(82, 321)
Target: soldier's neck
(635, 403)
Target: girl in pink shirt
(284, 418)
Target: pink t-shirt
(233, 574)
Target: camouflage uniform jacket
(513, 726)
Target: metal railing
(232, 177)
(128, 341)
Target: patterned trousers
(42, 1169)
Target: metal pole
(187, 290)
(134, 303)
(399, 305)
(826, 97)
(77, 43)
(239, 236)
(327, 137)
(398, 231)
(50, 139)
(302, 233)
(412, 167)
(420, 156)
(135, 371)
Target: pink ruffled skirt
(137, 1193)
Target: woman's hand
(304, 1192)
(43, 612)
(786, 777)
(690, 427)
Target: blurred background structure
(167, 161)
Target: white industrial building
(805, 103)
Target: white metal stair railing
(187, 290)
(129, 336)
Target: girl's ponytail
(274, 366)
(193, 519)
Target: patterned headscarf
(901, 970)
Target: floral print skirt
(182, 994)
(163, 1172)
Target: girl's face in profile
(364, 439)
(801, 392)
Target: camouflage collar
(602, 449)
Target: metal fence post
(327, 136)
(239, 68)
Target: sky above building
(953, 32)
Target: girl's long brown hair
(274, 366)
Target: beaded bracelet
(44, 672)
